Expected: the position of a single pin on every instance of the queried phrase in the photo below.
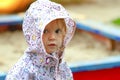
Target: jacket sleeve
(65, 71)
(19, 73)
(24, 76)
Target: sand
(12, 46)
(83, 47)
(103, 10)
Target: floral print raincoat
(36, 64)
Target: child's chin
(50, 52)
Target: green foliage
(116, 21)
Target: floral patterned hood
(37, 17)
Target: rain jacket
(36, 64)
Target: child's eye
(45, 31)
(58, 31)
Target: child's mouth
(52, 45)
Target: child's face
(53, 35)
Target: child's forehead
(58, 23)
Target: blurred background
(85, 46)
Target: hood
(38, 15)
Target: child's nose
(52, 36)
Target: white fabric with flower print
(36, 64)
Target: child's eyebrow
(58, 29)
